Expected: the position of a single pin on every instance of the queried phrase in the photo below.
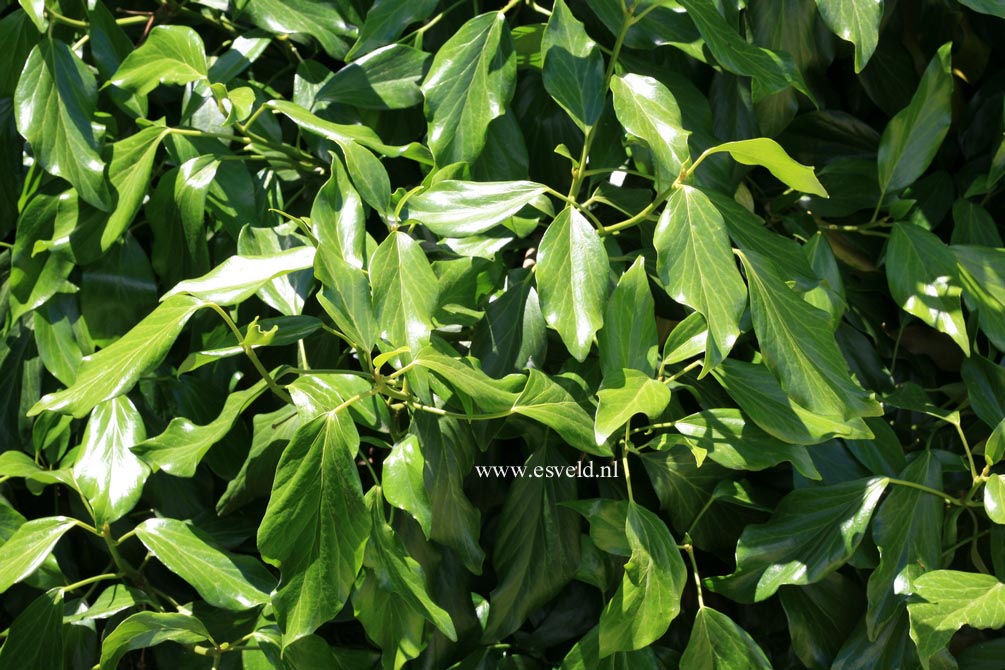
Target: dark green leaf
(404, 291)
(717, 643)
(629, 338)
(387, 78)
(573, 67)
(149, 629)
(385, 21)
(35, 633)
(855, 21)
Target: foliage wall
(287, 286)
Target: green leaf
(332, 24)
(921, 272)
(385, 21)
(469, 84)
(985, 7)
(855, 21)
(545, 401)
(953, 599)
(404, 483)
(338, 221)
(35, 633)
(537, 546)
(907, 530)
(648, 599)
(629, 337)
(813, 532)
(913, 136)
(788, 329)
(463, 208)
(573, 67)
(994, 498)
(387, 78)
(316, 524)
(169, 55)
(405, 292)
(771, 71)
(30, 544)
(623, 395)
(572, 279)
(225, 580)
(399, 572)
(985, 383)
(731, 441)
(492, 396)
(822, 617)
(769, 154)
(760, 396)
(181, 447)
(239, 277)
(368, 174)
(116, 368)
(107, 472)
(149, 629)
(54, 105)
(346, 297)
(717, 643)
(35, 277)
(994, 448)
(648, 110)
(695, 263)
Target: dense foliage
(289, 285)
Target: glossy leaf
(855, 21)
(769, 154)
(239, 277)
(115, 369)
(573, 68)
(106, 471)
(315, 527)
(624, 394)
(641, 609)
(572, 280)
(994, 498)
(149, 629)
(30, 544)
(404, 484)
(54, 106)
(648, 110)
(35, 633)
(913, 136)
(170, 55)
(387, 78)
(718, 643)
(404, 291)
(696, 265)
(225, 580)
(629, 337)
(453, 208)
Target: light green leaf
(169, 55)
(545, 401)
(994, 448)
(239, 277)
(813, 532)
(331, 22)
(624, 394)
(954, 599)
(922, 275)
(648, 110)
(107, 472)
(129, 173)
(760, 396)
(387, 78)
(405, 291)
(469, 84)
(907, 530)
(991, 7)
(994, 498)
(20, 464)
(629, 337)
(346, 297)
(316, 524)
(399, 572)
(769, 154)
(30, 544)
(717, 643)
(695, 263)
(116, 368)
(648, 599)
(855, 21)
(771, 71)
(731, 441)
(182, 445)
(490, 395)
(368, 175)
(149, 629)
(607, 519)
(35, 633)
(573, 69)
(287, 292)
(462, 208)
(572, 279)
(537, 545)
(913, 136)
(799, 347)
(222, 579)
(54, 108)
(403, 481)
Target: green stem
(641, 216)
(250, 353)
(970, 456)
(581, 207)
(624, 464)
(455, 415)
(680, 373)
(90, 580)
(927, 489)
(653, 426)
(689, 550)
(121, 563)
(65, 20)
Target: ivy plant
(502, 335)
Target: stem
(701, 513)
(91, 580)
(650, 208)
(653, 426)
(680, 373)
(456, 415)
(927, 489)
(624, 464)
(689, 550)
(970, 455)
(972, 538)
(121, 563)
(250, 353)
(65, 20)
(581, 207)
